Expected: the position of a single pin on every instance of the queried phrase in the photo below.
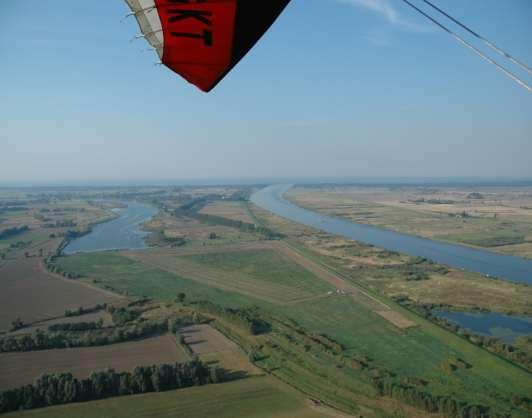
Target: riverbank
(492, 218)
(509, 268)
(123, 232)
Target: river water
(505, 327)
(506, 267)
(120, 233)
(125, 232)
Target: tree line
(76, 326)
(191, 209)
(240, 225)
(246, 318)
(10, 232)
(44, 340)
(421, 399)
(83, 311)
(56, 389)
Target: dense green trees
(122, 316)
(63, 388)
(41, 340)
(82, 311)
(422, 399)
(76, 326)
(17, 324)
(247, 319)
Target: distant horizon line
(235, 181)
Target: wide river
(123, 232)
(506, 267)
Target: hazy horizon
(363, 181)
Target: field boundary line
(92, 286)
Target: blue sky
(337, 88)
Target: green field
(259, 397)
(419, 352)
(265, 266)
(33, 236)
(123, 275)
(365, 333)
(256, 274)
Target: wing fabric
(202, 40)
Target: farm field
(331, 331)
(32, 294)
(258, 271)
(211, 346)
(193, 233)
(366, 332)
(261, 271)
(499, 219)
(132, 278)
(232, 210)
(257, 397)
(18, 369)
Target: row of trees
(76, 326)
(247, 319)
(43, 340)
(83, 311)
(444, 405)
(240, 225)
(52, 267)
(192, 208)
(63, 388)
(10, 232)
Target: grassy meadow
(362, 333)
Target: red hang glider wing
(202, 40)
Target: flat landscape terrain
(392, 273)
(495, 218)
(32, 294)
(231, 210)
(258, 397)
(297, 319)
(18, 369)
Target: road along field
(18, 369)
(32, 294)
(256, 397)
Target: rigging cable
(483, 39)
(472, 47)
